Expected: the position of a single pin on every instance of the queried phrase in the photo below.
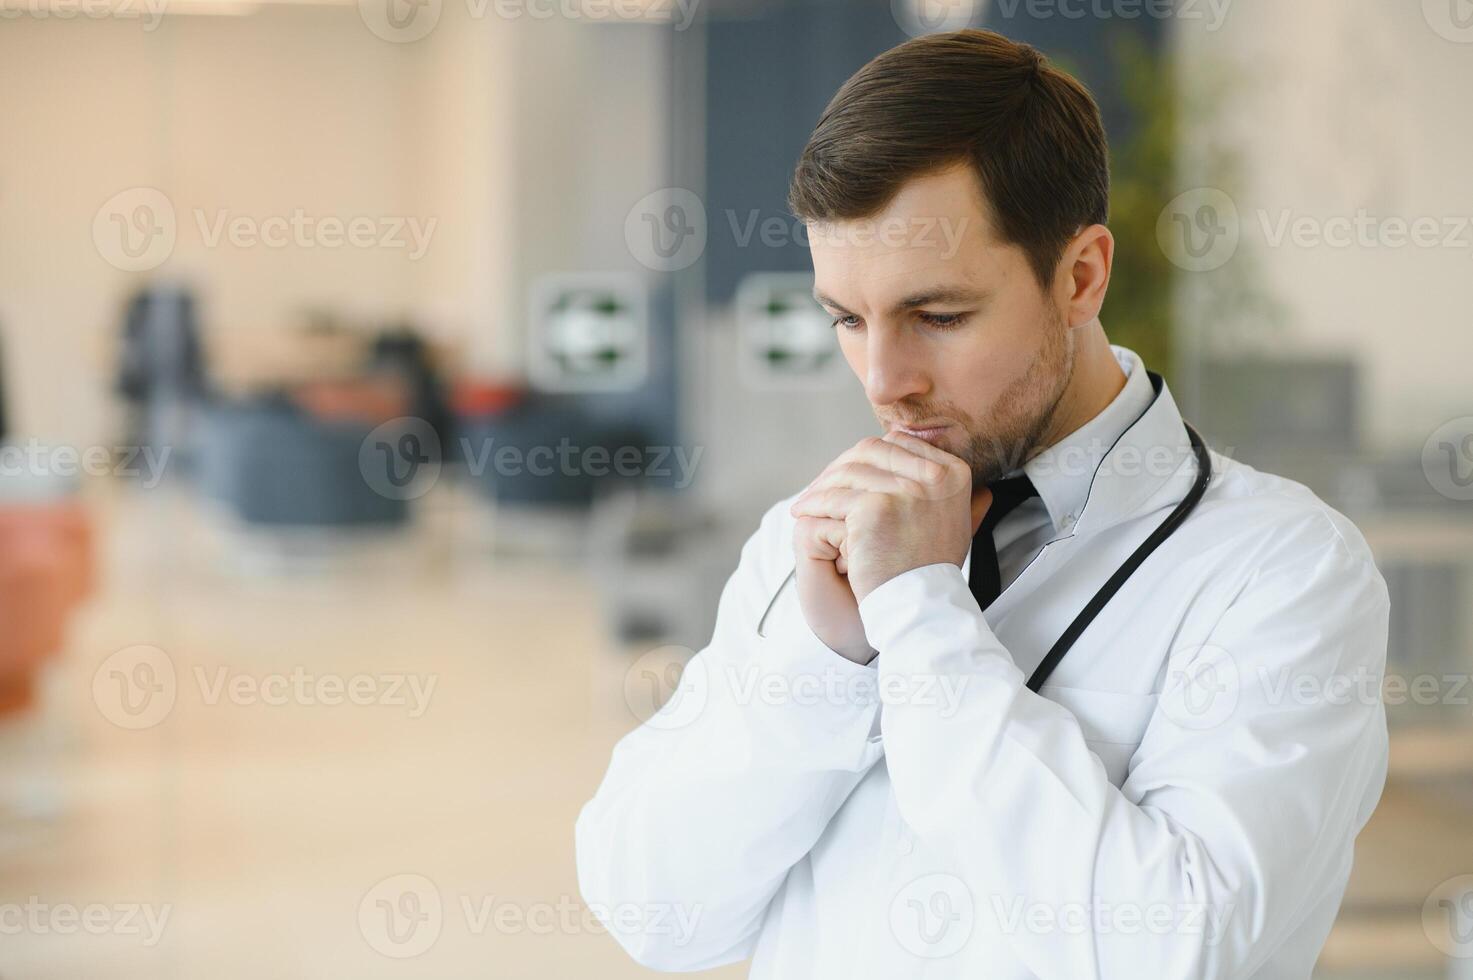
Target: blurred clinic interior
(386, 390)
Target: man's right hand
(828, 603)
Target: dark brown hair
(1031, 133)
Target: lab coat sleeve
(706, 806)
(1233, 823)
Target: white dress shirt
(1181, 799)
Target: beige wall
(496, 130)
(1337, 106)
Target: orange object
(46, 569)
(475, 398)
(372, 399)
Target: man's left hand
(904, 503)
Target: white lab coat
(1181, 801)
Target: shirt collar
(1064, 472)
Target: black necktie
(985, 578)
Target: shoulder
(1278, 523)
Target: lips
(929, 431)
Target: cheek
(852, 347)
(973, 376)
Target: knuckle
(930, 473)
(882, 505)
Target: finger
(902, 458)
(919, 447)
(889, 456)
(835, 503)
(866, 476)
(819, 538)
(955, 474)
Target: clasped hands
(886, 506)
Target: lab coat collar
(1063, 472)
(1101, 474)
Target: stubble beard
(1023, 413)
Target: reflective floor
(375, 773)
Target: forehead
(936, 232)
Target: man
(856, 779)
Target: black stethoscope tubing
(1107, 591)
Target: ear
(1084, 274)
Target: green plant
(1138, 308)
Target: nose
(894, 369)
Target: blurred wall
(524, 141)
(1334, 107)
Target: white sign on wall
(786, 340)
(588, 332)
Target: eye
(848, 321)
(944, 321)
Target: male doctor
(857, 779)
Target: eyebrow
(942, 294)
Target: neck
(1093, 384)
